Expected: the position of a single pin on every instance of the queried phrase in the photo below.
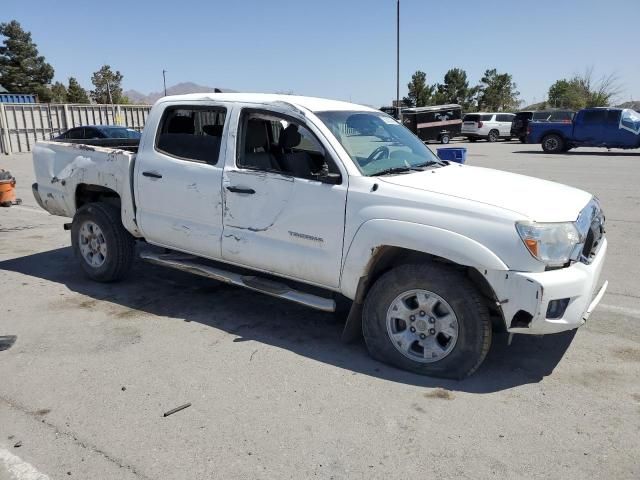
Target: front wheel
(444, 138)
(553, 143)
(104, 248)
(428, 319)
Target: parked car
(114, 136)
(437, 122)
(314, 200)
(490, 126)
(522, 119)
(591, 127)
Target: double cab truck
(591, 127)
(318, 202)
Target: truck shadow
(247, 315)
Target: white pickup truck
(315, 201)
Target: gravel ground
(86, 369)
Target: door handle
(152, 174)
(249, 191)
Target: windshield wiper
(428, 164)
(390, 171)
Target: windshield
(114, 132)
(377, 143)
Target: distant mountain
(181, 88)
(634, 105)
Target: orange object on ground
(7, 192)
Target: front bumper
(526, 296)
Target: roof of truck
(314, 104)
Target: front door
(278, 216)
(589, 126)
(179, 181)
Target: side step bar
(188, 263)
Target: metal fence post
(66, 118)
(5, 145)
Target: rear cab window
(487, 117)
(472, 117)
(594, 117)
(191, 133)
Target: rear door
(178, 178)
(470, 123)
(278, 217)
(589, 126)
(504, 124)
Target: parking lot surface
(87, 369)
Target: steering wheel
(379, 153)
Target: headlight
(551, 243)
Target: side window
(192, 133)
(594, 117)
(75, 133)
(487, 118)
(90, 133)
(613, 118)
(270, 142)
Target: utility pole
(164, 81)
(398, 59)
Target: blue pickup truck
(591, 127)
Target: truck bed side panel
(61, 167)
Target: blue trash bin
(453, 154)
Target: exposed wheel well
(86, 193)
(386, 257)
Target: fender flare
(435, 241)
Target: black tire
(553, 143)
(474, 323)
(120, 244)
(522, 139)
(472, 139)
(494, 136)
(444, 138)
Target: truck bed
(63, 170)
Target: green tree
(420, 93)
(108, 85)
(59, 93)
(497, 92)
(455, 89)
(22, 70)
(582, 91)
(75, 93)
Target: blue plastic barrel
(453, 154)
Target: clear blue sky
(341, 49)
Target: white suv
(491, 126)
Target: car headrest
(213, 130)
(256, 136)
(290, 137)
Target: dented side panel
(61, 167)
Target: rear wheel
(444, 138)
(104, 248)
(493, 136)
(428, 319)
(553, 143)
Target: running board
(188, 263)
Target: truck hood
(539, 200)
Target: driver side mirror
(325, 176)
